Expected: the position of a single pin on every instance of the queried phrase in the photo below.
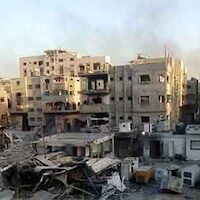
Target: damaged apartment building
(148, 91)
(95, 95)
(48, 93)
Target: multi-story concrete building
(190, 108)
(59, 62)
(147, 90)
(49, 90)
(4, 115)
(95, 94)
(61, 102)
(26, 110)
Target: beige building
(95, 96)
(48, 92)
(26, 100)
(59, 62)
(4, 114)
(148, 91)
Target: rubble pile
(25, 174)
(16, 153)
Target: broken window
(145, 119)
(24, 64)
(37, 86)
(71, 59)
(81, 68)
(60, 60)
(18, 98)
(97, 100)
(40, 63)
(129, 118)
(144, 99)
(121, 98)
(39, 119)
(100, 84)
(130, 78)
(2, 99)
(161, 98)
(46, 93)
(145, 78)
(18, 83)
(161, 79)
(112, 98)
(30, 98)
(41, 71)
(35, 63)
(169, 98)
(130, 98)
(71, 72)
(32, 119)
(25, 72)
(30, 87)
(121, 118)
(168, 78)
(96, 66)
(47, 84)
(111, 79)
(120, 78)
(61, 70)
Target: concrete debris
(99, 165)
(117, 182)
(114, 183)
(171, 184)
(27, 174)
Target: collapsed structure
(94, 125)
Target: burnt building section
(95, 98)
(189, 111)
(61, 101)
(135, 144)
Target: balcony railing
(60, 110)
(90, 91)
(61, 107)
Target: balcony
(93, 73)
(60, 107)
(54, 98)
(18, 109)
(94, 108)
(90, 92)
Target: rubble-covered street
(25, 174)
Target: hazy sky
(118, 28)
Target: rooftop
(76, 139)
